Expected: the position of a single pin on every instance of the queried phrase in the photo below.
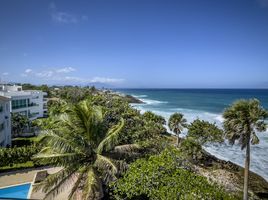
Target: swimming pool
(15, 192)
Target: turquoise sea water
(15, 192)
(207, 104)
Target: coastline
(211, 149)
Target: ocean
(208, 104)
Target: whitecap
(140, 96)
(222, 151)
(151, 101)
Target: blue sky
(136, 43)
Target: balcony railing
(19, 106)
(31, 115)
(32, 104)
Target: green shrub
(168, 177)
(16, 155)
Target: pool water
(15, 192)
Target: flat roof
(3, 98)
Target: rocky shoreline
(227, 174)
(231, 176)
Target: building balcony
(32, 115)
(14, 107)
(32, 104)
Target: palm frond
(106, 164)
(77, 183)
(93, 187)
(57, 141)
(111, 140)
(55, 183)
(127, 150)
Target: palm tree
(81, 144)
(241, 121)
(176, 123)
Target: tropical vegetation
(242, 121)
(176, 123)
(107, 149)
(165, 176)
(19, 123)
(82, 142)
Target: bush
(203, 132)
(168, 177)
(16, 155)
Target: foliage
(155, 179)
(75, 94)
(16, 155)
(17, 166)
(56, 107)
(242, 120)
(191, 149)
(19, 123)
(85, 146)
(176, 123)
(203, 131)
(44, 88)
(150, 116)
(137, 127)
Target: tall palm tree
(176, 123)
(241, 121)
(81, 144)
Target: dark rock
(131, 99)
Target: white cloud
(105, 80)
(66, 70)
(93, 80)
(51, 73)
(64, 17)
(5, 74)
(45, 74)
(27, 71)
(59, 75)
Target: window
(1, 108)
(19, 103)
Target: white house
(31, 103)
(5, 122)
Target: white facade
(5, 122)
(31, 103)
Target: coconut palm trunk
(246, 172)
(178, 138)
(176, 123)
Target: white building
(5, 122)
(30, 103)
